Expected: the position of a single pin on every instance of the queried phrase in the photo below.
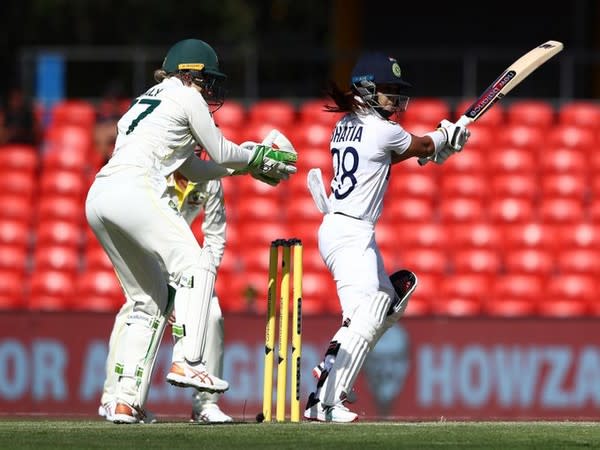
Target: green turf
(76, 434)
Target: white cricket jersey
(361, 147)
(162, 127)
(208, 197)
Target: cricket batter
(364, 145)
(143, 232)
(191, 200)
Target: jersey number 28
(345, 163)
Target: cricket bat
(512, 76)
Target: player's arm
(199, 170)
(214, 224)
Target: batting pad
(348, 362)
(192, 305)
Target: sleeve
(214, 225)
(200, 170)
(395, 138)
(209, 136)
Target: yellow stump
(270, 334)
(296, 332)
(284, 308)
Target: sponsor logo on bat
(490, 96)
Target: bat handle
(462, 121)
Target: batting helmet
(192, 54)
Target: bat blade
(512, 76)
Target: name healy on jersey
(347, 133)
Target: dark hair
(345, 101)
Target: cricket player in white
(192, 199)
(364, 145)
(143, 232)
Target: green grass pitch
(41, 433)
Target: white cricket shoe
(125, 413)
(337, 413)
(107, 410)
(210, 413)
(184, 375)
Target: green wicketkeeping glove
(272, 165)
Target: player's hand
(456, 135)
(272, 165)
(442, 154)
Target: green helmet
(192, 54)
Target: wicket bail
(296, 270)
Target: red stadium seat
(456, 307)
(483, 138)
(277, 112)
(571, 185)
(63, 182)
(522, 136)
(427, 290)
(234, 292)
(424, 260)
(564, 160)
(511, 159)
(19, 184)
(510, 307)
(12, 290)
(234, 133)
(258, 130)
(561, 210)
(95, 258)
(318, 292)
(58, 232)
(67, 137)
(572, 136)
(412, 210)
(312, 111)
(529, 260)
(523, 185)
(98, 290)
(78, 112)
(517, 286)
(569, 295)
(530, 234)
(311, 258)
(261, 208)
(231, 114)
(494, 117)
(580, 113)
(412, 185)
(537, 113)
(506, 210)
(262, 232)
(56, 257)
(255, 258)
(579, 235)
(51, 290)
(302, 207)
(426, 235)
(467, 286)
(473, 235)
(72, 159)
(427, 110)
(13, 258)
(15, 207)
(309, 157)
(311, 135)
(593, 210)
(454, 210)
(476, 260)
(305, 230)
(19, 158)
(59, 207)
(579, 260)
(14, 232)
(466, 161)
(463, 185)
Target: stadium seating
(51, 290)
(529, 260)
(312, 111)
(519, 185)
(478, 234)
(505, 210)
(476, 260)
(512, 159)
(461, 210)
(580, 113)
(98, 290)
(73, 112)
(19, 158)
(279, 113)
(12, 290)
(231, 114)
(14, 258)
(475, 185)
(537, 113)
(427, 110)
(56, 257)
(572, 136)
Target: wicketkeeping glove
(272, 165)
